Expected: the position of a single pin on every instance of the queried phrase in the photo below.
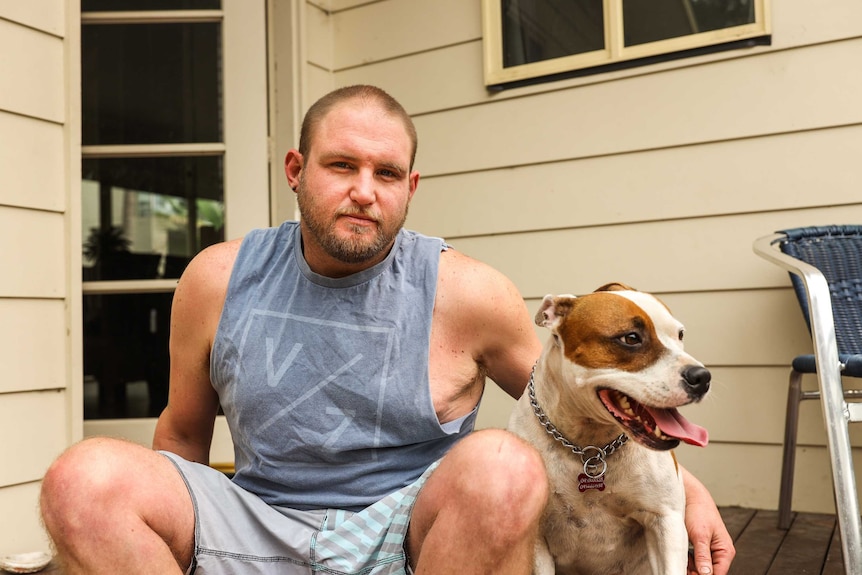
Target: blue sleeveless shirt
(324, 381)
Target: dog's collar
(592, 456)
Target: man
(349, 356)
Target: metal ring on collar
(592, 466)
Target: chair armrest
(819, 306)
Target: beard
(362, 244)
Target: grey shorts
(236, 533)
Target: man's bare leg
(115, 507)
(479, 511)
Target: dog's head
(624, 349)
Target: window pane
(126, 361)
(126, 5)
(151, 83)
(144, 218)
(653, 20)
(536, 30)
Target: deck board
(736, 519)
(805, 547)
(758, 544)
(834, 564)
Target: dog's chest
(602, 532)
(594, 533)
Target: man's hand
(713, 546)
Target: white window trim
(614, 51)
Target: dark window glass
(144, 218)
(126, 361)
(653, 20)
(151, 84)
(537, 30)
(126, 5)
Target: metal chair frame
(837, 412)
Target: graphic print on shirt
(324, 395)
(273, 376)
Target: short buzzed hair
(369, 94)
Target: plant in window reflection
(104, 241)
(210, 213)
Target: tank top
(324, 381)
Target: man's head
(353, 178)
(366, 94)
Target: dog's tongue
(674, 424)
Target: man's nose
(362, 191)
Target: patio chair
(825, 265)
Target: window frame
(615, 54)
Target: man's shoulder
(454, 261)
(212, 265)
(471, 279)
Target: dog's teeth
(626, 406)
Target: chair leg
(788, 463)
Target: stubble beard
(363, 244)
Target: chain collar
(592, 456)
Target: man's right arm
(185, 427)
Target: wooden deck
(810, 546)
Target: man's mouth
(358, 219)
(656, 427)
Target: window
(150, 81)
(527, 40)
(162, 83)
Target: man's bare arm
(504, 339)
(186, 425)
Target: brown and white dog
(613, 369)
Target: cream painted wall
(39, 285)
(660, 176)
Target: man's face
(355, 185)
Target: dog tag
(585, 482)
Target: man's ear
(414, 183)
(293, 163)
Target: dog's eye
(681, 334)
(632, 338)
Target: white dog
(614, 369)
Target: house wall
(660, 177)
(39, 329)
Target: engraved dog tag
(586, 482)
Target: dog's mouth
(655, 427)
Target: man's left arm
(713, 546)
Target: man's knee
(506, 477)
(85, 478)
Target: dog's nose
(696, 379)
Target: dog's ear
(616, 286)
(553, 307)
